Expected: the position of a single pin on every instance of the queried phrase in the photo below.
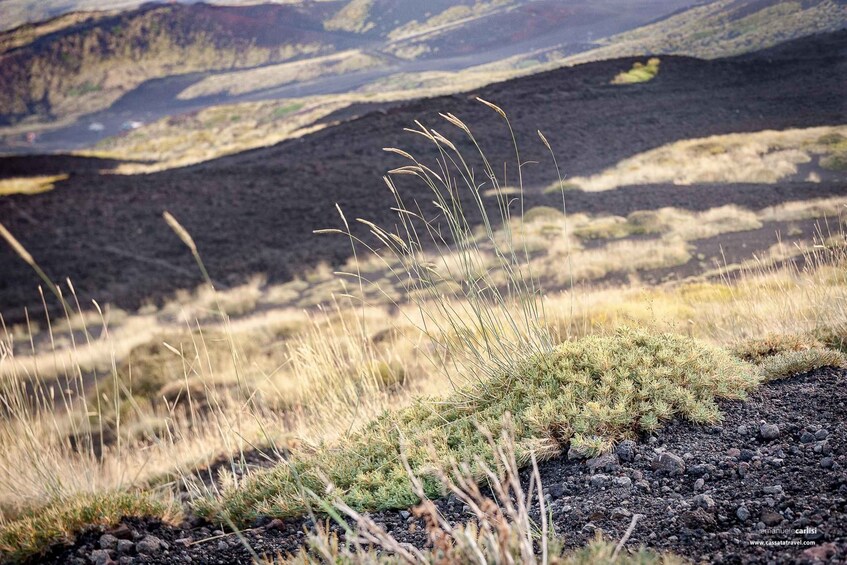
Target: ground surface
(723, 493)
(255, 212)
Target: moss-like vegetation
(35, 532)
(586, 394)
(779, 356)
(639, 72)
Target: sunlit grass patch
(639, 72)
(29, 185)
(61, 520)
(586, 394)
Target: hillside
(85, 64)
(725, 28)
(275, 197)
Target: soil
(729, 493)
(256, 212)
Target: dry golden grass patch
(761, 157)
(273, 76)
(29, 185)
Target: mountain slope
(255, 212)
(726, 27)
(89, 62)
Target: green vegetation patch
(61, 520)
(639, 72)
(585, 395)
(779, 356)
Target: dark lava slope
(256, 211)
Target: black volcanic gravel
(767, 485)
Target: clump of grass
(509, 526)
(639, 72)
(835, 162)
(60, 521)
(783, 355)
(585, 394)
(29, 185)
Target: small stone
(121, 531)
(223, 546)
(101, 557)
(747, 455)
(618, 513)
(556, 490)
(605, 462)
(821, 434)
(742, 430)
(626, 450)
(623, 482)
(821, 553)
(599, 480)
(184, 542)
(827, 463)
(149, 545)
(775, 489)
(404, 514)
(733, 452)
(125, 546)
(743, 469)
(108, 541)
(275, 524)
(807, 437)
(772, 518)
(669, 464)
(742, 513)
(769, 431)
(705, 502)
(699, 483)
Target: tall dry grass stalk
(473, 288)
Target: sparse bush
(639, 72)
(586, 394)
(835, 162)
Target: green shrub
(639, 72)
(586, 394)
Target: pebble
(827, 463)
(101, 557)
(149, 545)
(223, 546)
(743, 469)
(699, 483)
(669, 464)
(769, 431)
(626, 450)
(742, 430)
(125, 546)
(599, 480)
(623, 482)
(772, 518)
(742, 513)
(605, 462)
(704, 501)
(807, 437)
(108, 541)
(821, 434)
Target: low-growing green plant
(835, 162)
(586, 394)
(639, 72)
(61, 520)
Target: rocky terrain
(768, 484)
